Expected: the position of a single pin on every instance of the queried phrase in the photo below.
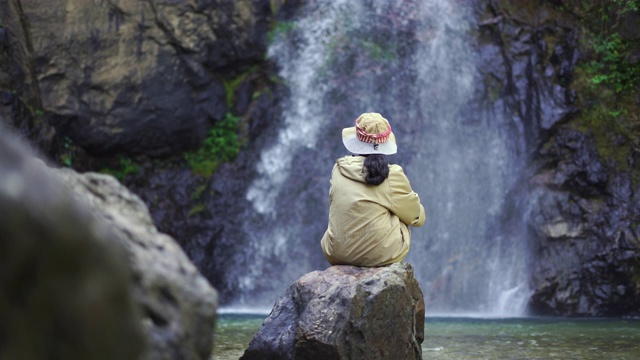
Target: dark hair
(377, 168)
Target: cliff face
(141, 77)
(20, 102)
(582, 181)
(586, 253)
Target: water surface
(482, 338)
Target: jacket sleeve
(405, 202)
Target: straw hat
(371, 135)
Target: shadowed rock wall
(583, 212)
(20, 104)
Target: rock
(345, 312)
(585, 255)
(20, 104)
(66, 290)
(63, 243)
(178, 303)
(142, 77)
(533, 61)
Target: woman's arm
(405, 202)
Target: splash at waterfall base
(345, 312)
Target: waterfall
(412, 61)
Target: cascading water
(413, 62)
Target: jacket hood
(352, 168)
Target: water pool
(483, 338)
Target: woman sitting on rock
(372, 203)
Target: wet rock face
(141, 77)
(527, 55)
(587, 253)
(584, 212)
(345, 312)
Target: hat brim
(355, 146)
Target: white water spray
(461, 162)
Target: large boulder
(86, 274)
(177, 302)
(66, 290)
(345, 312)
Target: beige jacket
(368, 224)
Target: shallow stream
(483, 338)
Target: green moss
(222, 144)
(124, 168)
(231, 85)
(628, 5)
(606, 84)
(197, 208)
(197, 193)
(66, 156)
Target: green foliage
(125, 168)
(198, 192)
(197, 197)
(610, 65)
(221, 145)
(66, 157)
(197, 208)
(230, 86)
(628, 5)
(606, 83)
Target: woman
(372, 203)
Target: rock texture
(66, 290)
(177, 302)
(20, 105)
(582, 209)
(345, 312)
(141, 77)
(527, 57)
(88, 217)
(587, 224)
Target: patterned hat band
(372, 138)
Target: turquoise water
(481, 338)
